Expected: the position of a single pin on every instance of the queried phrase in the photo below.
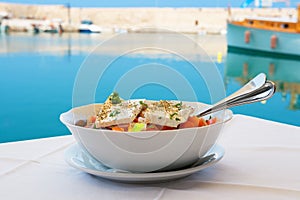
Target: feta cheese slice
(121, 113)
(167, 113)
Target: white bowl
(148, 150)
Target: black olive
(81, 123)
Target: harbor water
(37, 75)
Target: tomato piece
(92, 119)
(211, 121)
(187, 124)
(167, 128)
(194, 120)
(202, 122)
(117, 128)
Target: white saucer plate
(81, 160)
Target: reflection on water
(52, 44)
(74, 44)
(37, 73)
(285, 72)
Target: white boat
(87, 26)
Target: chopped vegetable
(211, 121)
(194, 120)
(81, 123)
(117, 128)
(144, 104)
(179, 105)
(137, 127)
(115, 98)
(92, 119)
(187, 124)
(167, 128)
(142, 115)
(172, 115)
(114, 113)
(202, 122)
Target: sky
(145, 3)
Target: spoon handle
(264, 92)
(259, 97)
(257, 82)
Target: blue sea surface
(37, 75)
(34, 90)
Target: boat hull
(84, 31)
(88, 31)
(260, 40)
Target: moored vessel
(270, 35)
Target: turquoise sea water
(37, 73)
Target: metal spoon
(252, 85)
(252, 95)
(261, 94)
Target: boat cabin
(290, 25)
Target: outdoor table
(261, 161)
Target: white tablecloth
(262, 161)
